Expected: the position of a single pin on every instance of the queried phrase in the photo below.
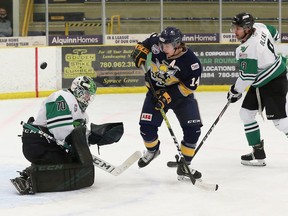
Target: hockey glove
(163, 98)
(79, 122)
(106, 133)
(233, 95)
(139, 54)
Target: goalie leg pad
(69, 176)
(66, 177)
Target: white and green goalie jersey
(59, 112)
(258, 61)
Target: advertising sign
(126, 39)
(228, 38)
(75, 40)
(284, 38)
(22, 41)
(201, 38)
(219, 64)
(112, 66)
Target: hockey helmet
(84, 90)
(244, 20)
(171, 35)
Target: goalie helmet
(244, 20)
(84, 89)
(171, 35)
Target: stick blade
(127, 163)
(172, 164)
(206, 186)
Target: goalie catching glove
(139, 54)
(233, 95)
(106, 133)
(163, 98)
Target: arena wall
(109, 65)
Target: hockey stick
(193, 180)
(174, 164)
(98, 162)
(116, 170)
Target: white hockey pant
(249, 116)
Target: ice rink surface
(154, 190)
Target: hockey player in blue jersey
(175, 73)
(265, 73)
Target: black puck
(43, 65)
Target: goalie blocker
(69, 169)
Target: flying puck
(43, 65)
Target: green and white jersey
(59, 112)
(258, 61)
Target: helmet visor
(84, 97)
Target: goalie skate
(23, 186)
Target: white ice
(154, 190)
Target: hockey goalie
(58, 148)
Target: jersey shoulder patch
(195, 66)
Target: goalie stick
(98, 162)
(212, 187)
(174, 163)
(116, 170)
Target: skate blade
(186, 179)
(253, 163)
(19, 190)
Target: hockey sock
(152, 146)
(188, 151)
(252, 133)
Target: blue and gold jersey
(180, 73)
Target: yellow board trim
(125, 90)
(17, 95)
(108, 90)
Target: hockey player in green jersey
(63, 117)
(265, 73)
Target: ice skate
(255, 158)
(183, 173)
(147, 157)
(23, 186)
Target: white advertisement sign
(228, 38)
(125, 39)
(22, 41)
